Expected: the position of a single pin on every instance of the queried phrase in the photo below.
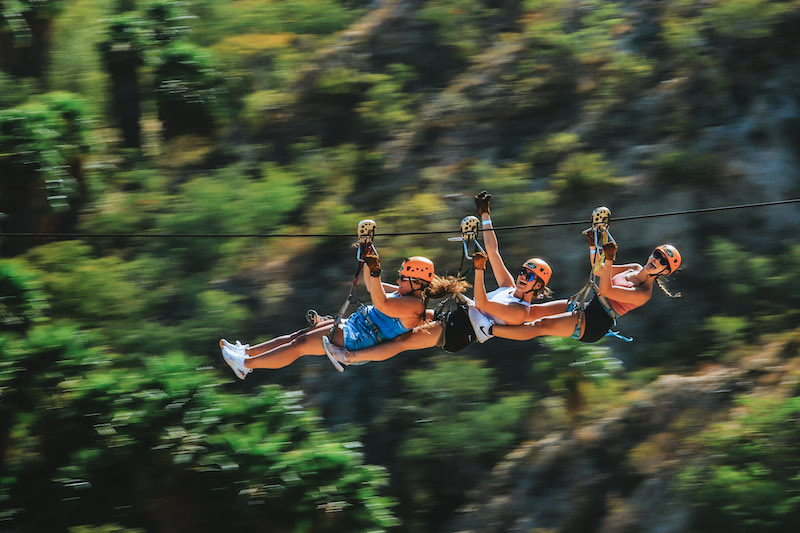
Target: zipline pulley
(366, 236)
(469, 234)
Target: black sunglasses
(529, 275)
(662, 259)
(423, 283)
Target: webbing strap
(362, 311)
(338, 319)
(618, 335)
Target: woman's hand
(591, 236)
(373, 262)
(610, 251)
(479, 260)
(482, 202)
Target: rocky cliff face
(593, 477)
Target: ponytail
(663, 287)
(544, 292)
(440, 287)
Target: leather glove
(479, 260)
(373, 262)
(590, 236)
(610, 250)
(482, 202)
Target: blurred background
(117, 413)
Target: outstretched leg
(308, 342)
(561, 325)
(264, 347)
(553, 308)
(425, 336)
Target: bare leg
(264, 347)
(538, 311)
(562, 325)
(425, 336)
(303, 343)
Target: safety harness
(602, 236)
(452, 312)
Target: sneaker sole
(475, 317)
(326, 346)
(239, 374)
(232, 346)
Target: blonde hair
(544, 292)
(664, 289)
(441, 287)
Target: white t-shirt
(502, 295)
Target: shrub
(748, 478)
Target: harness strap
(618, 335)
(608, 307)
(362, 311)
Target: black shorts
(597, 322)
(457, 332)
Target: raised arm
(394, 307)
(508, 313)
(501, 273)
(638, 295)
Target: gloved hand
(590, 236)
(610, 250)
(373, 262)
(482, 202)
(479, 260)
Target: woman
(389, 315)
(512, 303)
(621, 288)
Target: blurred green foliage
(92, 437)
(189, 92)
(289, 116)
(753, 287)
(456, 425)
(748, 479)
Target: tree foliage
(749, 478)
(300, 116)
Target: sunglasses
(662, 259)
(412, 280)
(528, 275)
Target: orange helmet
(540, 267)
(671, 254)
(417, 267)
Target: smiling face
(664, 260)
(527, 280)
(657, 263)
(407, 285)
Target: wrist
(375, 273)
(487, 221)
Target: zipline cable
(394, 234)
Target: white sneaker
(236, 360)
(335, 354)
(480, 324)
(238, 348)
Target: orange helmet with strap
(417, 267)
(540, 268)
(672, 255)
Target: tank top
(619, 281)
(368, 327)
